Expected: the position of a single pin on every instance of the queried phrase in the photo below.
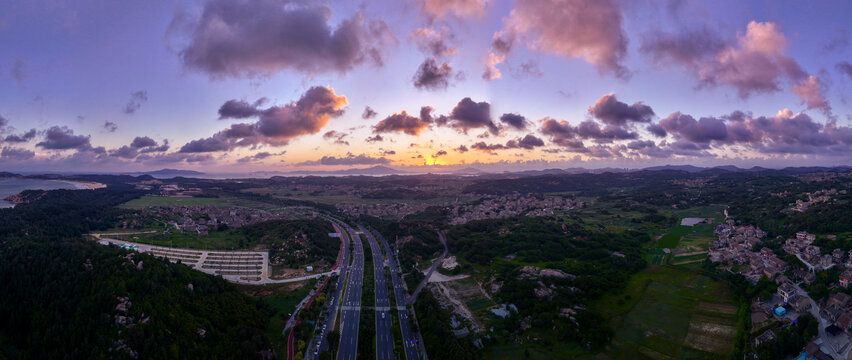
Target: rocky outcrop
(26, 196)
(532, 273)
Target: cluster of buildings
(499, 207)
(489, 207)
(836, 311)
(386, 210)
(815, 198)
(202, 219)
(802, 246)
(735, 244)
(176, 190)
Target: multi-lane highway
(384, 337)
(351, 306)
(331, 315)
(348, 301)
(408, 338)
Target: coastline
(84, 185)
(13, 199)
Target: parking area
(236, 266)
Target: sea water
(12, 186)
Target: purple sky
(231, 86)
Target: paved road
(827, 339)
(98, 235)
(413, 297)
(290, 347)
(343, 260)
(384, 337)
(351, 307)
(408, 339)
(343, 266)
(202, 254)
(294, 320)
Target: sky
(429, 85)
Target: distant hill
(168, 173)
(687, 168)
(729, 168)
(566, 171)
(468, 171)
(544, 172)
(377, 170)
(732, 168)
(813, 169)
(607, 170)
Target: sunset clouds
(279, 85)
(755, 63)
(586, 29)
(234, 38)
(276, 125)
(403, 123)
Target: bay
(12, 186)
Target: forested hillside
(581, 265)
(64, 297)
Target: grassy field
(669, 313)
(713, 212)
(148, 201)
(673, 236)
(700, 237)
(688, 243)
(216, 240)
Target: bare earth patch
(708, 307)
(709, 336)
(448, 297)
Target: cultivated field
(668, 313)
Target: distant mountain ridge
(468, 171)
(370, 171)
(167, 173)
(382, 170)
(732, 168)
(687, 168)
